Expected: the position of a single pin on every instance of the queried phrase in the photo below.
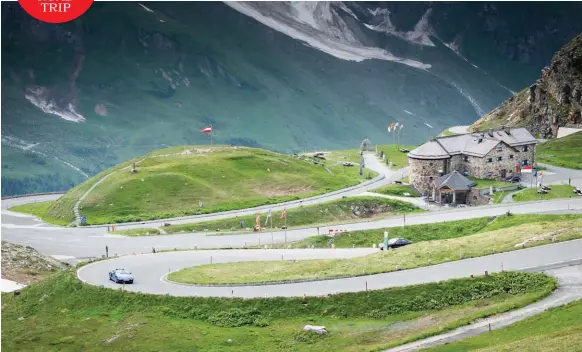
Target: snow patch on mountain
(17, 143)
(42, 99)
(146, 8)
(478, 109)
(320, 26)
(419, 35)
(342, 6)
(455, 46)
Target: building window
(430, 178)
(525, 148)
(499, 148)
(489, 160)
(499, 158)
(525, 162)
(511, 157)
(430, 164)
(466, 158)
(423, 167)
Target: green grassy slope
(222, 178)
(337, 211)
(564, 152)
(394, 155)
(430, 232)
(397, 190)
(418, 254)
(62, 314)
(558, 330)
(558, 191)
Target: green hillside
(175, 181)
(63, 314)
(564, 152)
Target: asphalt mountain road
(150, 270)
(570, 280)
(90, 242)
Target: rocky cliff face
(554, 100)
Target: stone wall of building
(528, 155)
(475, 198)
(491, 167)
(421, 172)
(456, 163)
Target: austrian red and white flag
(207, 130)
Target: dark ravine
(553, 101)
(126, 78)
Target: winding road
(151, 270)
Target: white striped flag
(268, 216)
(207, 129)
(396, 125)
(401, 125)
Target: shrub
(236, 317)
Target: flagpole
(272, 240)
(285, 227)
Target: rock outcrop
(25, 265)
(553, 101)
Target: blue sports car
(121, 276)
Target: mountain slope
(552, 101)
(189, 180)
(128, 78)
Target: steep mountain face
(554, 100)
(127, 78)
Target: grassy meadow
(63, 314)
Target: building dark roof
(474, 144)
(454, 181)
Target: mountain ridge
(553, 101)
(138, 77)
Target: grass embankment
(342, 210)
(498, 197)
(483, 183)
(62, 314)
(40, 210)
(430, 232)
(394, 155)
(557, 191)
(397, 190)
(61, 211)
(558, 329)
(143, 231)
(565, 152)
(175, 181)
(503, 237)
(447, 133)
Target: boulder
(320, 330)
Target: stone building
(452, 188)
(486, 155)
